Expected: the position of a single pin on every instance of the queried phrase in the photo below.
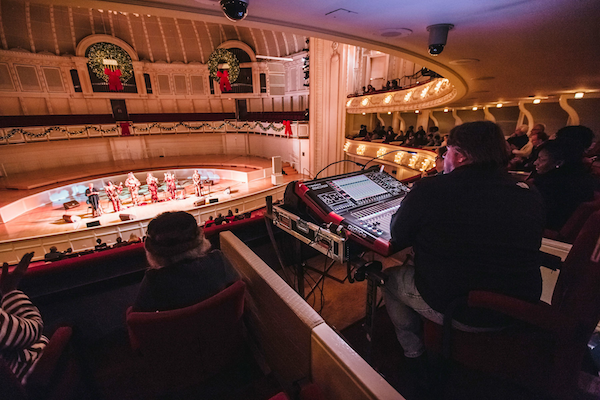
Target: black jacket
(474, 228)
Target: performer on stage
(152, 186)
(112, 192)
(133, 184)
(197, 179)
(171, 185)
(94, 200)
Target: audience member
(420, 137)
(220, 219)
(182, 271)
(53, 255)
(439, 159)
(370, 89)
(395, 84)
(133, 238)
(581, 136)
(21, 325)
(119, 243)
(400, 137)
(362, 132)
(537, 138)
(100, 245)
(470, 228)
(519, 138)
(389, 135)
(562, 180)
(437, 140)
(388, 86)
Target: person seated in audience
(437, 140)
(21, 325)
(582, 136)
(370, 89)
(182, 269)
(220, 219)
(100, 245)
(362, 132)
(562, 180)
(430, 141)
(133, 238)
(210, 222)
(53, 255)
(395, 84)
(388, 86)
(537, 139)
(519, 155)
(389, 135)
(470, 228)
(364, 90)
(119, 243)
(420, 137)
(519, 138)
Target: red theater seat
(184, 347)
(545, 349)
(56, 375)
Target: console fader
(363, 202)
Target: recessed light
(417, 111)
(578, 95)
(537, 101)
(446, 110)
(364, 114)
(463, 61)
(389, 113)
(474, 108)
(499, 105)
(394, 32)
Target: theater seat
(545, 348)
(56, 375)
(568, 233)
(184, 347)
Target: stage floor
(48, 219)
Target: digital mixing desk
(362, 202)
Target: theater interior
(91, 90)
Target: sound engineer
(471, 228)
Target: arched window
(243, 84)
(110, 68)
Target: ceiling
(503, 50)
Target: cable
(389, 152)
(339, 161)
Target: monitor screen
(359, 187)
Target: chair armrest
(46, 366)
(540, 315)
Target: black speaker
(70, 204)
(148, 83)
(71, 218)
(92, 224)
(76, 82)
(119, 109)
(127, 217)
(213, 201)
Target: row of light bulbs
(578, 95)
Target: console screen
(359, 187)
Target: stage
(37, 223)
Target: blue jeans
(405, 307)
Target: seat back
(576, 292)
(186, 346)
(568, 233)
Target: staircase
(288, 169)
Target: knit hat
(172, 233)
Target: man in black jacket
(471, 228)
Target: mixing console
(363, 202)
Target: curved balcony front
(435, 93)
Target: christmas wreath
(99, 52)
(223, 56)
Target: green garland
(49, 130)
(100, 51)
(222, 55)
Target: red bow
(114, 81)
(288, 127)
(224, 81)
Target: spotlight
(579, 95)
(537, 101)
(499, 105)
(438, 35)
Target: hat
(172, 233)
